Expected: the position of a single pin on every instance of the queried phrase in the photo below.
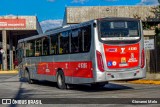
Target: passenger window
(20, 52)
(54, 44)
(76, 41)
(38, 50)
(45, 48)
(64, 43)
(87, 38)
(30, 48)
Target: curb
(9, 72)
(156, 82)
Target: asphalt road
(10, 87)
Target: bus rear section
(119, 49)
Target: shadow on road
(87, 87)
(19, 94)
(107, 87)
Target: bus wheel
(28, 78)
(61, 80)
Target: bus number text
(82, 65)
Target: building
(81, 14)
(13, 28)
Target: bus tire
(29, 80)
(61, 80)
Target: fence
(153, 55)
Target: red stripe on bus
(72, 69)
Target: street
(10, 87)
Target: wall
(82, 14)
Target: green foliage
(157, 31)
(146, 26)
(156, 11)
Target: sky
(50, 13)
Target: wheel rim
(59, 80)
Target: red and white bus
(92, 52)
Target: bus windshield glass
(119, 30)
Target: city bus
(92, 52)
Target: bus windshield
(119, 30)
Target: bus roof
(69, 27)
(56, 30)
(118, 18)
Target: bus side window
(76, 41)
(54, 44)
(45, 48)
(64, 43)
(38, 50)
(27, 46)
(30, 48)
(87, 38)
(20, 52)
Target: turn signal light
(142, 59)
